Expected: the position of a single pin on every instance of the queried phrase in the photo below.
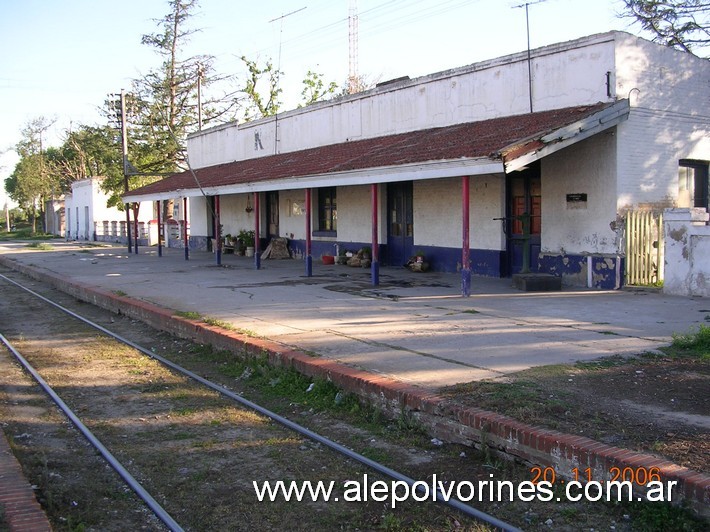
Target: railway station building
(526, 162)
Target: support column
(375, 267)
(160, 231)
(217, 232)
(309, 258)
(135, 228)
(257, 251)
(466, 245)
(184, 229)
(128, 228)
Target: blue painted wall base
(607, 272)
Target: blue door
(400, 223)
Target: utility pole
(278, 73)
(527, 26)
(7, 217)
(200, 73)
(124, 145)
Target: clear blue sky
(61, 58)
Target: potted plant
(419, 256)
(246, 237)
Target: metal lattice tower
(353, 82)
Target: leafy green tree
(32, 182)
(682, 24)
(162, 107)
(261, 80)
(89, 151)
(314, 89)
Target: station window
(693, 184)
(327, 210)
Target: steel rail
(158, 510)
(349, 453)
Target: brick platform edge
(20, 508)
(448, 422)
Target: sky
(61, 58)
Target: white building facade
(483, 163)
(88, 217)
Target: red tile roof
(485, 138)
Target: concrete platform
(414, 327)
(395, 344)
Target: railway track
(190, 448)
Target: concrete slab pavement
(414, 327)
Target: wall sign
(576, 198)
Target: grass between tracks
(281, 388)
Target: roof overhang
(522, 153)
(367, 176)
(492, 146)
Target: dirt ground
(652, 403)
(198, 452)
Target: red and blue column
(184, 228)
(160, 230)
(466, 246)
(217, 232)
(257, 251)
(375, 267)
(309, 258)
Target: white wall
(669, 120)
(438, 212)
(292, 214)
(88, 193)
(587, 167)
(198, 216)
(564, 75)
(355, 214)
(233, 215)
(687, 252)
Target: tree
(314, 89)
(32, 182)
(256, 106)
(162, 107)
(87, 152)
(682, 24)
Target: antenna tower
(353, 82)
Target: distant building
(54, 216)
(508, 163)
(88, 217)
